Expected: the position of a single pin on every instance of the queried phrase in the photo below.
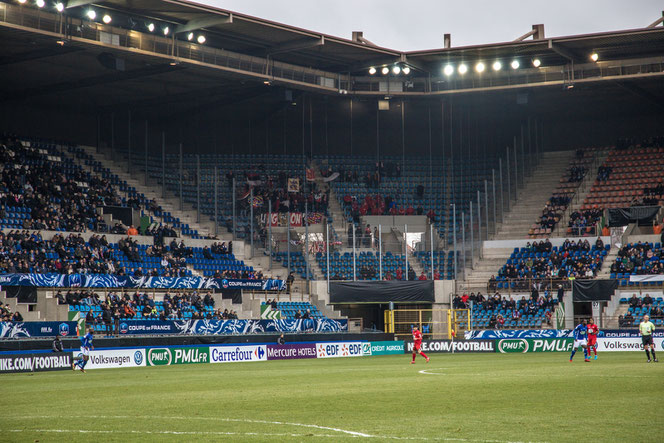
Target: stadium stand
(638, 259)
(498, 311)
(366, 266)
(291, 310)
(640, 306)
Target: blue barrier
(229, 327)
(37, 329)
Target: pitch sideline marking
(428, 371)
(350, 434)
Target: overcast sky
(416, 24)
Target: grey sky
(417, 24)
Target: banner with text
(229, 354)
(496, 334)
(115, 358)
(38, 329)
(35, 362)
(626, 344)
(287, 352)
(177, 356)
(383, 348)
(453, 346)
(225, 327)
(523, 345)
(339, 349)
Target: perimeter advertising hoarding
(293, 351)
(523, 345)
(115, 358)
(177, 356)
(454, 346)
(229, 354)
(383, 348)
(339, 349)
(35, 362)
(626, 344)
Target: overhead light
(372, 70)
(190, 36)
(91, 14)
(201, 39)
(266, 82)
(480, 67)
(448, 70)
(396, 70)
(59, 7)
(537, 62)
(594, 56)
(515, 64)
(60, 42)
(406, 70)
(106, 19)
(166, 30)
(463, 68)
(22, 1)
(497, 66)
(151, 27)
(41, 3)
(385, 70)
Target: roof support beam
(569, 55)
(296, 45)
(77, 3)
(537, 33)
(205, 22)
(656, 22)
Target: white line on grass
(350, 434)
(429, 371)
(88, 431)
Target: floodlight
(537, 62)
(480, 67)
(385, 70)
(594, 56)
(406, 70)
(151, 27)
(463, 69)
(59, 7)
(449, 70)
(91, 14)
(201, 39)
(166, 30)
(190, 36)
(396, 70)
(497, 66)
(515, 64)
(41, 3)
(372, 70)
(106, 19)
(22, 1)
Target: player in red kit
(593, 329)
(417, 344)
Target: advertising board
(383, 348)
(625, 344)
(287, 352)
(454, 346)
(116, 358)
(47, 361)
(228, 354)
(177, 356)
(523, 345)
(339, 349)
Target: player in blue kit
(580, 339)
(86, 347)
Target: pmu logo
(124, 328)
(520, 345)
(259, 352)
(224, 284)
(138, 358)
(64, 329)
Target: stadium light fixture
(396, 70)
(40, 3)
(463, 69)
(406, 70)
(385, 70)
(537, 62)
(190, 36)
(22, 1)
(59, 7)
(151, 27)
(515, 64)
(166, 30)
(497, 66)
(448, 70)
(201, 39)
(372, 70)
(480, 67)
(594, 56)
(106, 19)
(91, 14)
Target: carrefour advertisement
(523, 345)
(115, 358)
(177, 356)
(230, 354)
(339, 349)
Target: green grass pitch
(462, 397)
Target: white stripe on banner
(646, 278)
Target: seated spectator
(132, 230)
(647, 300)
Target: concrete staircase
(476, 278)
(532, 197)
